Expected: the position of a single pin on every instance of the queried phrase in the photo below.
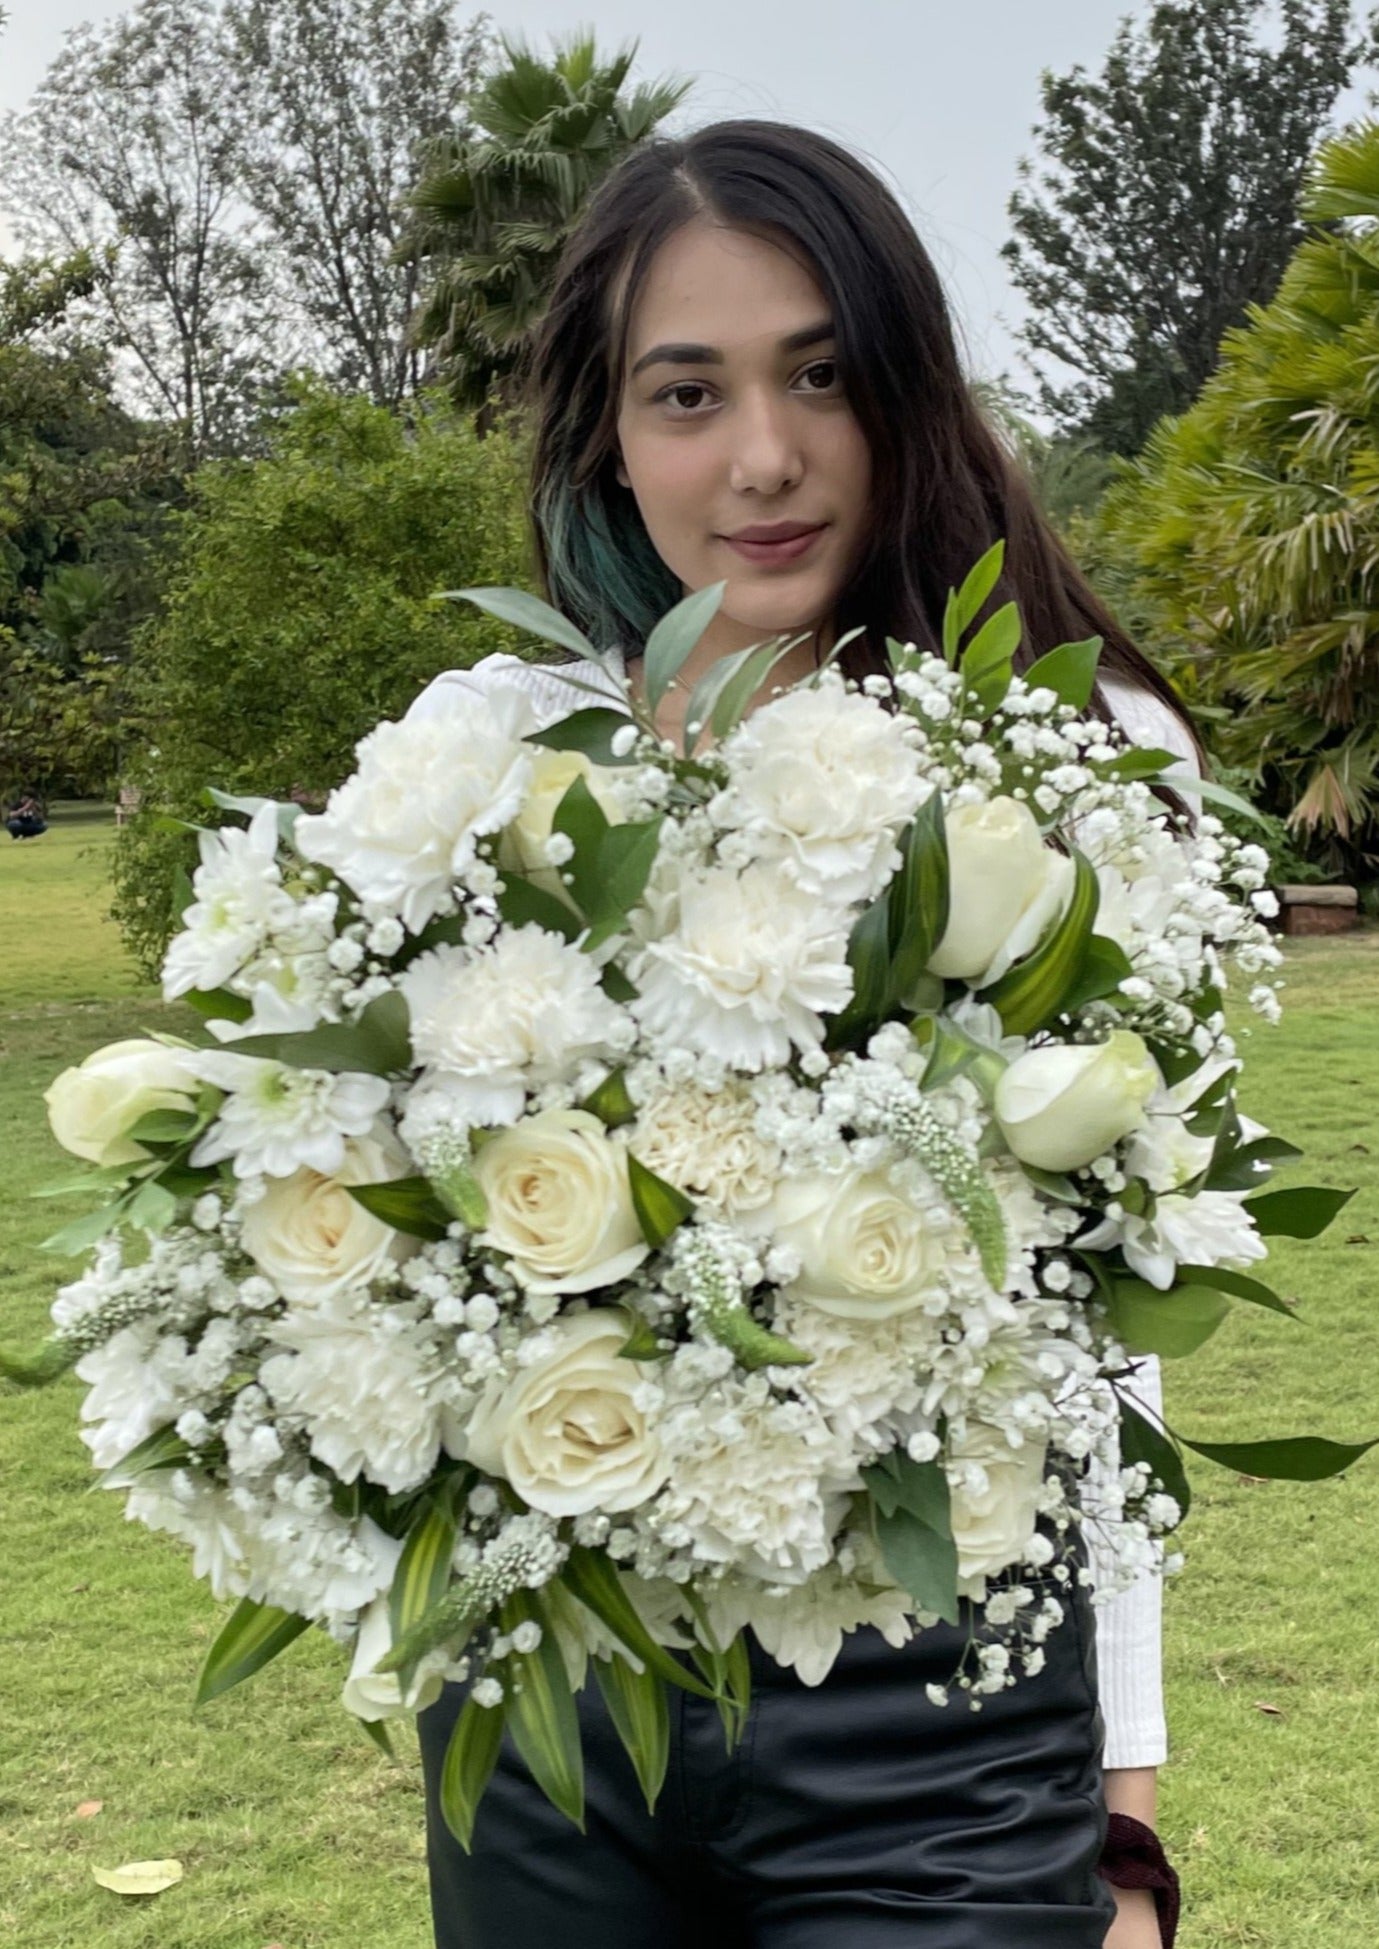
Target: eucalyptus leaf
(673, 638)
(377, 1043)
(527, 612)
(921, 1561)
(590, 731)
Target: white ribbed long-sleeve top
(1129, 1626)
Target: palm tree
(493, 210)
(1253, 522)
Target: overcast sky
(940, 96)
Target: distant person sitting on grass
(27, 817)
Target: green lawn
(294, 1832)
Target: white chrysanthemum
(140, 1379)
(754, 1482)
(823, 780)
(742, 968)
(276, 1119)
(1212, 1228)
(427, 789)
(490, 1023)
(369, 1382)
(706, 1143)
(804, 1627)
(200, 1512)
(239, 902)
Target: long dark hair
(944, 486)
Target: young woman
(748, 374)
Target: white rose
(1061, 1106)
(567, 1432)
(523, 843)
(1005, 886)
(995, 1498)
(313, 1239)
(93, 1105)
(559, 1203)
(378, 1695)
(865, 1252)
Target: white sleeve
(553, 690)
(1129, 1626)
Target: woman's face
(724, 424)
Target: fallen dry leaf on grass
(88, 1808)
(1274, 1711)
(140, 1877)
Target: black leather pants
(852, 1815)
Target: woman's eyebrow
(710, 355)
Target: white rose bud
(523, 844)
(567, 1432)
(1005, 887)
(559, 1203)
(378, 1695)
(313, 1239)
(92, 1106)
(1061, 1106)
(992, 1525)
(864, 1252)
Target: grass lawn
(294, 1832)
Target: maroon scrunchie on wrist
(1132, 1856)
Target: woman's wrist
(1132, 1790)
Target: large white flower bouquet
(633, 1193)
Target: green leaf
(164, 1127)
(407, 1204)
(980, 580)
(288, 813)
(1140, 761)
(1207, 788)
(671, 641)
(921, 1561)
(1032, 992)
(527, 612)
(870, 961)
(1105, 965)
(744, 675)
(470, 1758)
(1141, 1441)
(1238, 1285)
(591, 731)
(163, 1449)
(897, 1482)
(522, 904)
(83, 1232)
(423, 1570)
(541, 1710)
(637, 1706)
(917, 899)
(1070, 671)
(219, 1004)
(152, 1206)
(1292, 1458)
(616, 985)
(1247, 1165)
(987, 662)
(610, 1102)
(1303, 1211)
(626, 855)
(377, 1044)
(590, 1576)
(183, 894)
(659, 1206)
(1173, 1323)
(251, 1637)
(377, 1733)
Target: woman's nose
(766, 452)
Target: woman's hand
(1137, 1920)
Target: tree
(492, 212)
(299, 609)
(84, 497)
(338, 101)
(129, 151)
(1252, 525)
(1165, 204)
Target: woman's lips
(775, 554)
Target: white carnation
(400, 830)
(490, 1023)
(823, 780)
(705, 1142)
(742, 968)
(369, 1383)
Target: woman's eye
(685, 386)
(675, 395)
(821, 365)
